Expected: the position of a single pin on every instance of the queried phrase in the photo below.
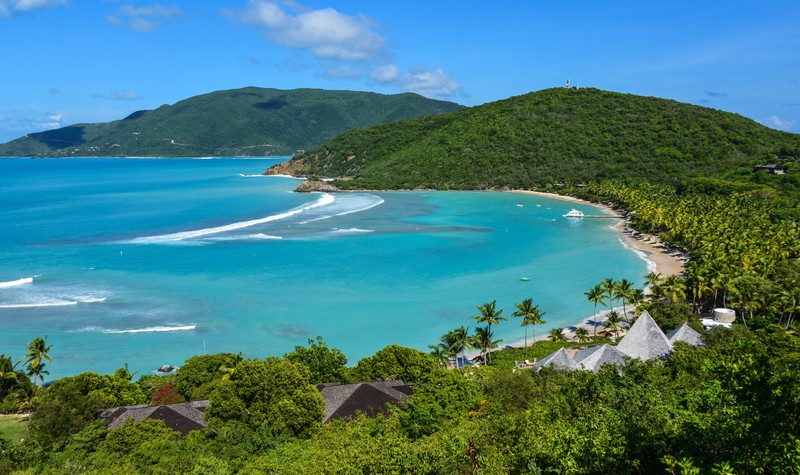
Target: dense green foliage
(250, 121)
(324, 364)
(732, 406)
(548, 137)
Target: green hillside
(250, 121)
(548, 137)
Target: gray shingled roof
(686, 334)
(558, 360)
(182, 417)
(346, 400)
(592, 358)
(645, 340)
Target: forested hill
(552, 136)
(250, 121)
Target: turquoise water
(148, 262)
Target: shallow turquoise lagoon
(148, 262)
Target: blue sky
(72, 61)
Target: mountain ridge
(547, 137)
(249, 121)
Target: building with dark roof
(183, 417)
(348, 400)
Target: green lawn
(13, 426)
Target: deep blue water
(149, 262)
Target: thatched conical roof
(645, 340)
(558, 359)
(686, 334)
(591, 359)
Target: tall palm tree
(460, 342)
(489, 314)
(531, 315)
(582, 335)
(557, 334)
(595, 295)
(623, 289)
(608, 285)
(675, 287)
(37, 354)
(482, 338)
(612, 322)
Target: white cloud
(326, 33)
(344, 46)
(143, 19)
(27, 121)
(778, 123)
(120, 95)
(9, 7)
(420, 80)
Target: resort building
(644, 341)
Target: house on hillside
(347, 400)
(182, 417)
(771, 168)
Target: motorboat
(574, 213)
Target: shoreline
(649, 248)
(646, 246)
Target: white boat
(574, 213)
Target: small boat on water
(524, 279)
(574, 213)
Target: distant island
(554, 137)
(250, 121)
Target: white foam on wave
(353, 231)
(254, 237)
(90, 299)
(14, 283)
(324, 200)
(375, 201)
(57, 303)
(154, 329)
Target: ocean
(150, 261)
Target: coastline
(649, 248)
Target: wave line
(326, 199)
(14, 283)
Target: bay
(151, 261)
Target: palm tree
(608, 285)
(441, 354)
(489, 315)
(531, 315)
(557, 334)
(612, 322)
(582, 335)
(483, 339)
(623, 289)
(37, 354)
(675, 287)
(460, 342)
(8, 375)
(595, 295)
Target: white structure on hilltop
(644, 341)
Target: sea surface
(151, 261)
